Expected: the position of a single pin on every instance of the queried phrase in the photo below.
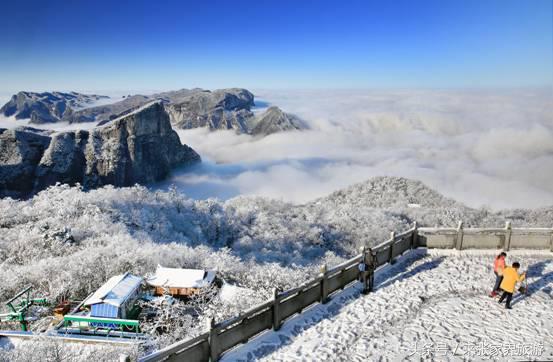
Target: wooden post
(391, 257)
(508, 232)
(415, 236)
(459, 238)
(324, 285)
(276, 310)
(213, 347)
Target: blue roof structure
(116, 290)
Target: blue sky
(152, 45)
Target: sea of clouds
(491, 148)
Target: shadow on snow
(543, 283)
(270, 341)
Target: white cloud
(11, 122)
(492, 148)
(485, 148)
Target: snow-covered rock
(139, 147)
(274, 120)
(20, 152)
(107, 112)
(46, 107)
(221, 109)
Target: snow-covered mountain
(67, 242)
(256, 229)
(46, 107)
(274, 120)
(139, 147)
(221, 109)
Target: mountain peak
(275, 120)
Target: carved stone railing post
(324, 285)
(391, 257)
(459, 238)
(415, 236)
(213, 347)
(508, 232)
(276, 310)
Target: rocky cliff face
(104, 113)
(140, 147)
(46, 107)
(221, 109)
(20, 152)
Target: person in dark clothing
(508, 297)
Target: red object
(499, 264)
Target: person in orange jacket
(510, 279)
(498, 266)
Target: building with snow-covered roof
(180, 282)
(116, 297)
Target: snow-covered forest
(67, 242)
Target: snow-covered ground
(253, 243)
(430, 305)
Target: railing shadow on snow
(271, 341)
(403, 274)
(543, 283)
(287, 309)
(275, 313)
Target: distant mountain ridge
(46, 107)
(221, 109)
